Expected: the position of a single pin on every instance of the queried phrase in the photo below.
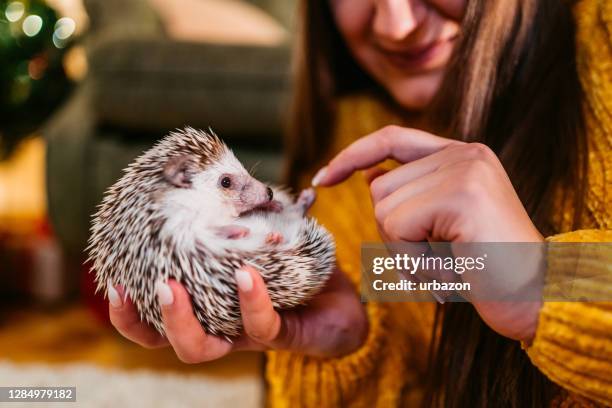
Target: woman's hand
(332, 324)
(447, 191)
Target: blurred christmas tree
(32, 79)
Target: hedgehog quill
(187, 209)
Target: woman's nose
(394, 20)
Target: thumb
(261, 322)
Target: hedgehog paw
(306, 199)
(274, 238)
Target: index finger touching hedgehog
(187, 209)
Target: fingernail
(244, 280)
(319, 176)
(113, 296)
(164, 293)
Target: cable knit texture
(573, 342)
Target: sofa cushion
(153, 84)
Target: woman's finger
(245, 343)
(125, 318)
(422, 209)
(184, 331)
(261, 322)
(392, 142)
(388, 183)
(429, 182)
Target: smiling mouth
(417, 57)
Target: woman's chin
(415, 94)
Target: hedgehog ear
(177, 171)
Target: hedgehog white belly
(293, 271)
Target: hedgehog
(187, 209)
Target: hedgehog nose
(270, 194)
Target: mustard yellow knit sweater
(573, 342)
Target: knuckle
(467, 186)
(262, 325)
(479, 151)
(263, 334)
(389, 226)
(386, 135)
(380, 212)
(471, 190)
(476, 169)
(471, 171)
(377, 188)
(389, 129)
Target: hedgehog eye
(226, 182)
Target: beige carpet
(99, 387)
(67, 346)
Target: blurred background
(86, 86)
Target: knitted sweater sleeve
(573, 342)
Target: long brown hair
(511, 84)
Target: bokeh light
(33, 80)
(64, 28)
(37, 67)
(32, 25)
(59, 43)
(14, 11)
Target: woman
(469, 75)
